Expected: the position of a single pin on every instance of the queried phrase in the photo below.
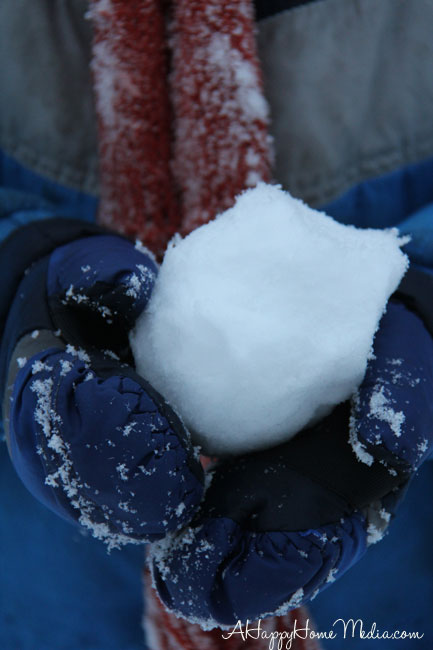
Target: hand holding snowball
(279, 525)
(263, 320)
(260, 324)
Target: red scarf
(183, 129)
(166, 632)
(182, 118)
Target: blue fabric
(20, 208)
(60, 589)
(245, 574)
(112, 260)
(231, 574)
(385, 201)
(392, 585)
(400, 379)
(51, 573)
(105, 442)
(419, 226)
(41, 193)
(150, 454)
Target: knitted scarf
(183, 129)
(166, 632)
(182, 119)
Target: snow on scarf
(166, 632)
(183, 128)
(182, 117)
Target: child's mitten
(278, 526)
(89, 437)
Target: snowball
(263, 320)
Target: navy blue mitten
(89, 437)
(278, 526)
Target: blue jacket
(403, 197)
(65, 370)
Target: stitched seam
(316, 188)
(86, 181)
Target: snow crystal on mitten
(263, 320)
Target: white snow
(180, 508)
(78, 352)
(135, 282)
(44, 415)
(40, 366)
(128, 428)
(374, 534)
(111, 80)
(362, 455)
(123, 471)
(77, 297)
(223, 57)
(66, 367)
(381, 409)
(56, 443)
(331, 575)
(423, 446)
(386, 516)
(294, 601)
(263, 320)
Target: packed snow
(263, 320)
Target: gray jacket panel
(349, 82)
(47, 118)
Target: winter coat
(348, 134)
